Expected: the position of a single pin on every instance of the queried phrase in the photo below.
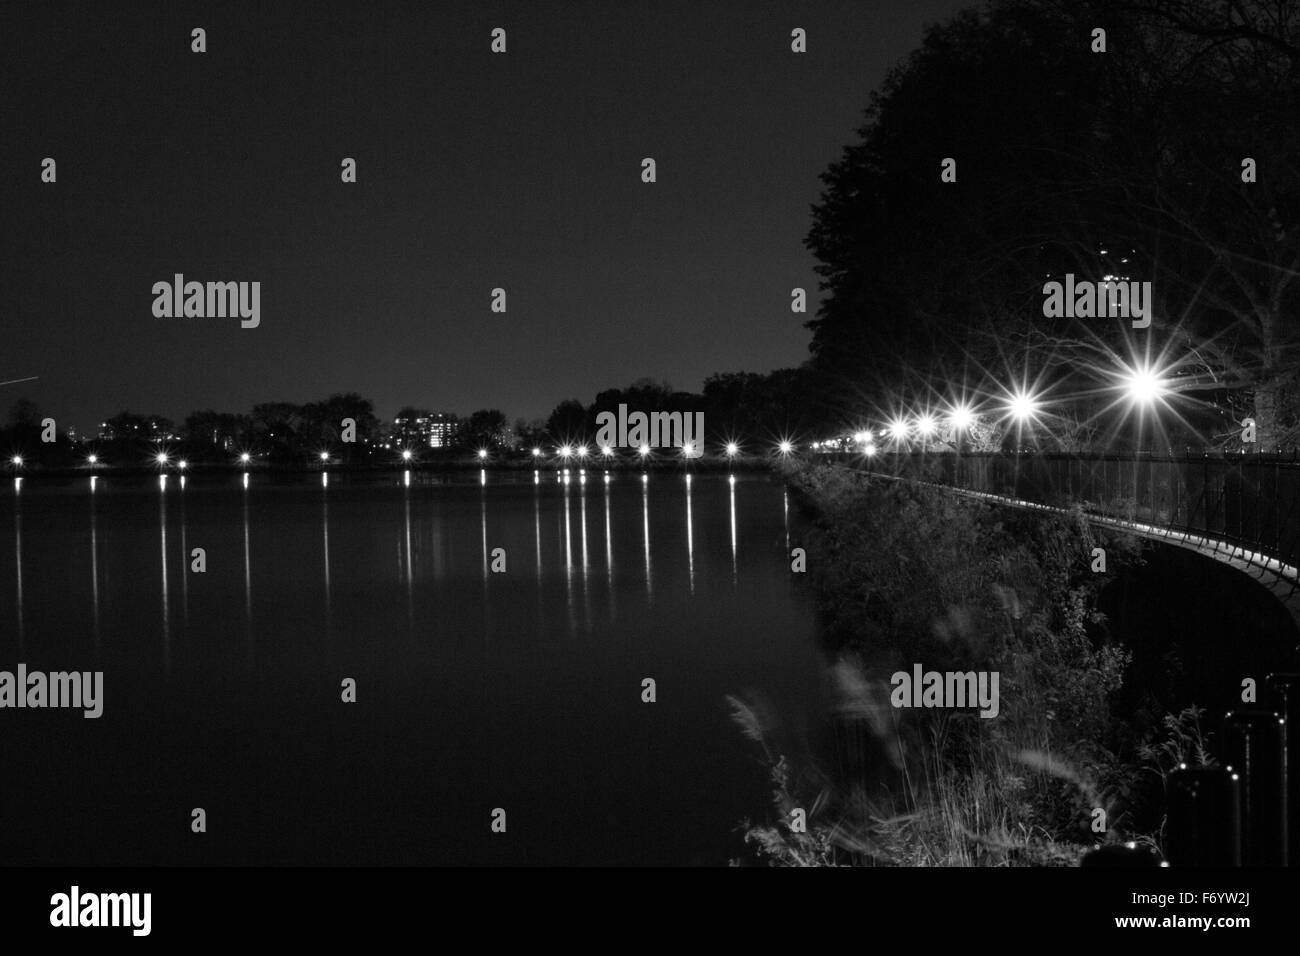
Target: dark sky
(474, 171)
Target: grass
(903, 574)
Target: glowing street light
(786, 447)
(182, 464)
(565, 451)
(898, 429)
(245, 457)
(1143, 385)
(482, 453)
(92, 460)
(732, 449)
(406, 454)
(644, 450)
(582, 451)
(324, 456)
(961, 417)
(17, 461)
(537, 453)
(161, 458)
(925, 425)
(607, 451)
(1023, 406)
(869, 450)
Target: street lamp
(406, 454)
(732, 449)
(1143, 385)
(324, 457)
(1023, 406)
(961, 418)
(245, 458)
(786, 447)
(92, 460)
(482, 454)
(537, 453)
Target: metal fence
(1248, 501)
(1246, 811)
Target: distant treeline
(754, 410)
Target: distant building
(435, 430)
(134, 426)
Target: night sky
(475, 171)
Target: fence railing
(1246, 810)
(1251, 502)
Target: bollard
(1285, 688)
(1255, 742)
(1204, 822)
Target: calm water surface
(475, 690)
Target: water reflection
(690, 537)
(410, 576)
(482, 506)
(18, 562)
(645, 534)
(609, 554)
(537, 539)
(162, 554)
(186, 568)
(442, 690)
(443, 516)
(94, 565)
(248, 580)
(568, 559)
(586, 565)
(731, 482)
(325, 548)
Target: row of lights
(1141, 385)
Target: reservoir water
(475, 689)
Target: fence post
(1256, 750)
(1285, 687)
